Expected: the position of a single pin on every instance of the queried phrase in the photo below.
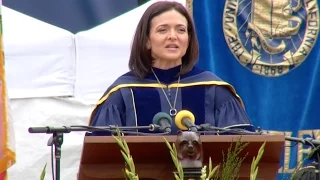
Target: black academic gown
(130, 101)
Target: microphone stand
(314, 155)
(56, 139)
(57, 136)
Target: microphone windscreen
(161, 115)
(180, 116)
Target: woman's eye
(162, 30)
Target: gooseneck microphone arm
(57, 136)
(191, 126)
(208, 128)
(68, 129)
(306, 141)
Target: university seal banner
(269, 50)
(270, 37)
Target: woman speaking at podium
(163, 77)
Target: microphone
(184, 120)
(164, 120)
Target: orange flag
(7, 152)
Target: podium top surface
(144, 149)
(172, 138)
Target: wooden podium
(101, 157)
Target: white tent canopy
(40, 58)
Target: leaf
(118, 141)
(174, 154)
(181, 171)
(176, 176)
(168, 144)
(253, 176)
(126, 148)
(211, 173)
(210, 164)
(174, 160)
(260, 153)
(132, 167)
(256, 173)
(255, 161)
(174, 149)
(126, 158)
(127, 173)
(43, 173)
(252, 165)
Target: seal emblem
(271, 37)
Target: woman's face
(168, 38)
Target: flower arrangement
(230, 166)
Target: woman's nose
(172, 35)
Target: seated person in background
(163, 77)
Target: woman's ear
(148, 44)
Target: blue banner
(268, 50)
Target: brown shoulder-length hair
(140, 61)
